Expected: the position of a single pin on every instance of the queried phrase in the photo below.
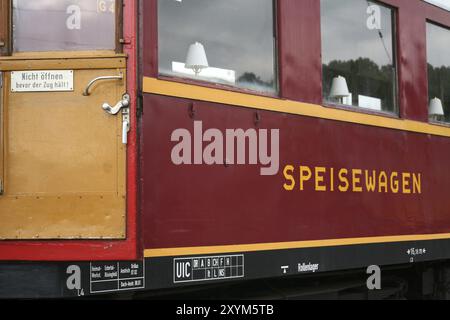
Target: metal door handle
(124, 103)
(125, 124)
(125, 129)
(87, 92)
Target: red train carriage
(214, 142)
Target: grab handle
(87, 92)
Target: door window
(48, 25)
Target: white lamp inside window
(196, 58)
(339, 89)
(436, 109)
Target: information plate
(42, 81)
(117, 276)
(208, 268)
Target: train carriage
(167, 144)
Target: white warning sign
(42, 81)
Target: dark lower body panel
(78, 279)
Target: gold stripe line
(187, 91)
(189, 251)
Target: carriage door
(64, 120)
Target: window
(359, 61)
(43, 25)
(438, 52)
(228, 42)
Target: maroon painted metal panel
(412, 60)
(200, 205)
(148, 23)
(217, 205)
(299, 50)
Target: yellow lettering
(332, 180)
(356, 177)
(371, 181)
(305, 175)
(288, 171)
(383, 182)
(417, 178)
(320, 172)
(406, 183)
(343, 179)
(394, 182)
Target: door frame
(5, 22)
(2, 135)
(98, 250)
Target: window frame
(221, 86)
(446, 27)
(5, 28)
(396, 114)
(6, 22)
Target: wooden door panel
(65, 164)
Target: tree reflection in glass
(358, 44)
(438, 53)
(238, 37)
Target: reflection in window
(229, 42)
(358, 54)
(49, 25)
(438, 51)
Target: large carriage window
(228, 42)
(43, 25)
(359, 62)
(438, 51)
